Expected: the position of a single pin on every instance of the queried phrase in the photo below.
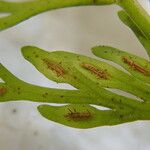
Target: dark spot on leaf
(75, 77)
(46, 93)
(121, 116)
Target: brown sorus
(78, 116)
(98, 72)
(54, 67)
(2, 91)
(136, 66)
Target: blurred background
(71, 29)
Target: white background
(76, 30)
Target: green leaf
(137, 14)
(90, 77)
(20, 11)
(84, 73)
(125, 18)
(137, 66)
(83, 116)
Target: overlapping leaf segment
(92, 79)
(133, 14)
